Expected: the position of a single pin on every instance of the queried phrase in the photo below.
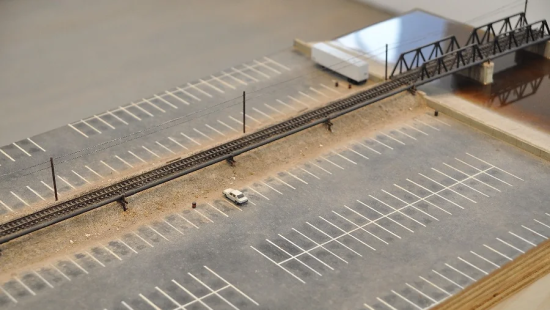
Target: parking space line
(334, 239)
(42, 278)
(164, 147)
(359, 227)
(286, 104)
(320, 167)
(266, 66)
(271, 187)
(38, 146)
(318, 92)
(394, 139)
(101, 161)
(369, 307)
(519, 237)
(405, 299)
(192, 140)
(81, 177)
(273, 109)
(22, 150)
(178, 98)
(389, 147)
(276, 63)
(232, 286)
(214, 129)
(357, 153)
(201, 214)
(77, 265)
(396, 210)
(169, 298)
(25, 286)
(508, 244)
(6, 206)
(452, 190)
(49, 187)
(122, 160)
(20, 199)
(154, 105)
(421, 293)
(8, 294)
(215, 292)
(442, 122)
(285, 183)
(405, 134)
(319, 245)
(490, 186)
(112, 253)
(86, 123)
(483, 258)
(131, 114)
(60, 272)
(308, 96)
(295, 276)
(236, 79)
(421, 122)
(460, 272)
(192, 295)
(104, 122)
(451, 281)
(536, 233)
(145, 241)
(143, 161)
(461, 182)
(80, 132)
(332, 163)
(295, 258)
(348, 233)
(375, 222)
(235, 130)
(423, 199)
(490, 248)
(198, 89)
(414, 128)
(313, 175)
(437, 193)
(149, 302)
(410, 205)
(222, 82)
(385, 303)
(492, 176)
(165, 221)
(231, 204)
(344, 157)
(212, 86)
(297, 178)
(148, 150)
(252, 118)
(248, 76)
(493, 166)
(299, 101)
(257, 71)
(332, 90)
(437, 287)
(217, 209)
(262, 113)
(165, 101)
(473, 266)
(301, 249)
(142, 109)
(176, 142)
(126, 305)
(163, 237)
(37, 194)
(236, 120)
(188, 221)
(366, 146)
(541, 223)
(386, 215)
(129, 247)
(94, 258)
(120, 119)
(257, 192)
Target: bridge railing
(488, 30)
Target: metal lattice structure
(515, 93)
(488, 32)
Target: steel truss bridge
(421, 66)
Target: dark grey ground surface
(357, 273)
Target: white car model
(235, 196)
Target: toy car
(235, 196)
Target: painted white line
(365, 157)
(405, 299)
(25, 286)
(332, 163)
(437, 287)
(21, 149)
(201, 214)
(164, 147)
(129, 247)
(137, 156)
(248, 76)
(508, 244)
(104, 122)
(369, 307)
(236, 79)
(80, 132)
(218, 209)
(131, 114)
(423, 199)
(394, 139)
(360, 227)
(495, 167)
(436, 193)
(421, 122)
(43, 280)
(99, 175)
(519, 237)
(389, 147)
(188, 221)
(276, 63)
(483, 258)
(170, 298)
(81, 177)
(176, 142)
(165, 221)
(120, 119)
(451, 281)
(212, 86)
(122, 160)
(49, 187)
(347, 233)
(397, 210)
(149, 302)
(366, 146)
(252, 118)
(235, 130)
(344, 157)
(224, 83)
(320, 167)
(473, 266)
(90, 126)
(258, 193)
(231, 285)
(262, 113)
(257, 71)
(213, 291)
(318, 92)
(313, 175)
(411, 205)
(78, 266)
(541, 223)
(442, 122)
(490, 186)
(536, 233)
(308, 96)
(101, 161)
(214, 129)
(385, 303)
(334, 239)
(286, 104)
(6, 206)
(37, 194)
(202, 134)
(420, 131)
(420, 292)
(485, 172)
(148, 150)
(154, 105)
(94, 258)
(386, 215)
(142, 109)
(460, 182)
(236, 120)
(126, 305)
(285, 183)
(165, 101)
(452, 190)
(112, 253)
(299, 101)
(178, 98)
(192, 295)
(271, 187)
(331, 89)
(192, 140)
(199, 90)
(38, 146)
(23, 201)
(460, 272)
(231, 204)
(266, 66)
(375, 222)
(150, 227)
(301, 249)
(61, 273)
(8, 294)
(508, 258)
(145, 241)
(405, 134)
(298, 278)
(298, 260)
(273, 109)
(319, 245)
(297, 178)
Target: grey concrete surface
(65, 60)
(498, 192)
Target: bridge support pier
(482, 73)
(542, 49)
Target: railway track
(130, 186)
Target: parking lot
(399, 220)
